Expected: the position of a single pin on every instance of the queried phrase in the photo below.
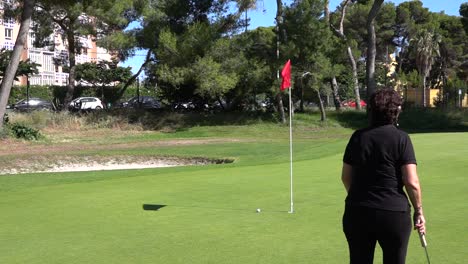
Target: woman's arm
(413, 188)
(346, 175)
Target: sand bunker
(93, 163)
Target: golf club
(422, 238)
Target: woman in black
(378, 162)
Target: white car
(85, 103)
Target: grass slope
(209, 214)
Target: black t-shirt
(376, 155)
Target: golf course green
(207, 214)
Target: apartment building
(50, 72)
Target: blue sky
(260, 18)
(265, 14)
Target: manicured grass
(209, 214)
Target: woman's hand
(419, 221)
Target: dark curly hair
(384, 107)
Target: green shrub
(4, 132)
(431, 119)
(65, 120)
(35, 119)
(19, 92)
(25, 132)
(39, 118)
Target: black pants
(364, 227)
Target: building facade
(50, 71)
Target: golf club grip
(422, 237)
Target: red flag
(286, 75)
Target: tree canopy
(201, 51)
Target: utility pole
(138, 91)
(27, 92)
(459, 97)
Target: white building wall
(49, 73)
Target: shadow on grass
(413, 120)
(156, 207)
(153, 207)
(351, 119)
(431, 120)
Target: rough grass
(412, 119)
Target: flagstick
(290, 149)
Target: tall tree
(411, 17)
(101, 75)
(371, 47)
(334, 83)
(279, 30)
(116, 37)
(308, 43)
(78, 20)
(327, 10)
(25, 68)
(245, 6)
(183, 33)
(427, 45)
(464, 14)
(453, 52)
(7, 82)
(358, 34)
(259, 73)
(340, 33)
(463, 74)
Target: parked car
(143, 102)
(33, 103)
(184, 105)
(85, 103)
(352, 103)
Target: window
(32, 39)
(47, 79)
(9, 22)
(8, 44)
(47, 62)
(35, 80)
(8, 33)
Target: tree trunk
(334, 84)
(336, 97)
(444, 84)
(400, 54)
(135, 76)
(352, 60)
(72, 65)
(424, 91)
(371, 49)
(355, 78)
(302, 98)
(327, 11)
(323, 115)
(221, 103)
(279, 21)
(12, 67)
(279, 101)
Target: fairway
(207, 214)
